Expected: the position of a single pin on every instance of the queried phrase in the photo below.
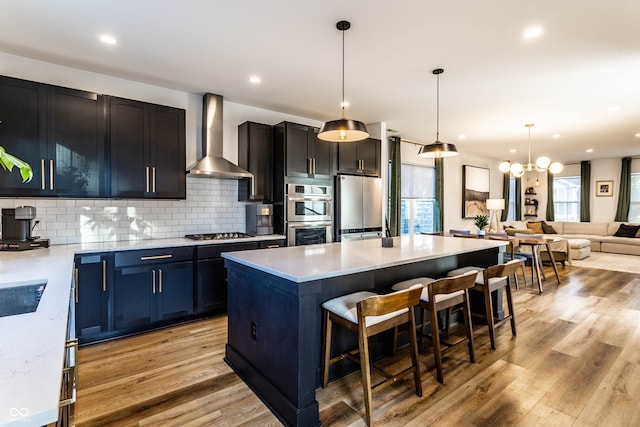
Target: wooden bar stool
(368, 314)
(440, 295)
(496, 278)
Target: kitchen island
(275, 297)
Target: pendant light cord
(438, 107)
(343, 74)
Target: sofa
(578, 239)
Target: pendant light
(542, 163)
(343, 130)
(438, 149)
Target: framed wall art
(475, 191)
(604, 188)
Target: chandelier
(542, 163)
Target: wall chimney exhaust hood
(212, 164)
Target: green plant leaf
(8, 162)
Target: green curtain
(585, 191)
(506, 183)
(550, 212)
(518, 200)
(439, 213)
(624, 195)
(395, 186)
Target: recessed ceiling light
(590, 150)
(638, 135)
(108, 39)
(532, 33)
(613, 109)
(555, 136)
(344, 104)
(513, 150)
(255, 80)
(461, 137)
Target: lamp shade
(438, 149)
(495, 204)
(343, 130)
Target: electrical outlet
(254, 331)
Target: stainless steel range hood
(213, 164)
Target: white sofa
(600, 235)
(580, 238)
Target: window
(566, 198)
(511, 213)
(418, 209)
(634, 206)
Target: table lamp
(494, 205)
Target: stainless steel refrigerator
(358, 207)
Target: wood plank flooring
(575, 362)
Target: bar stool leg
(366, 377)
(326, 347)
(510, 306)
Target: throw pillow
(627, 230)
(513, 231)
(547, 229)
(535, 226)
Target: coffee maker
(259, 219)
(17, 227)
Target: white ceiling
(586, 61)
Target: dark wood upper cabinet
(23, 132)
(362, 157)
(255, 154)
(305, 154)
(76, 143)
(147, 150)
(59, 132)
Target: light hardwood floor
(575, 362)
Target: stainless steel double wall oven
(309, 213)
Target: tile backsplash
(211, 206)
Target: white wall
(211, 204)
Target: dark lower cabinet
(152, 286)
(93, 296)
(211, 297)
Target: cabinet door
(348, 161)
(167, 152)
(128, 134)
(255, 154)
(22, 133)
(134, 297)
(322, 153)
(174, 290)
(297, 152)
(93, 289)
(76, 143)
(212, 286)
(369, 156)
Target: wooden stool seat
(443, 294)
(368, 314)
(496, 278)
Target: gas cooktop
(217, 236)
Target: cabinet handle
(153, 179)
(69, 373)
(104, 275)
(314, 165)
(147, 258)
(75, 278)
(273, 246)
(50, 174)
(160, 280)
(42, 175)
(153, 281)
(309, 166)
(146, 169)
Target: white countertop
(32, 344)
(306, 263)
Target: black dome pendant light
(438, 149)
(343, 130)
